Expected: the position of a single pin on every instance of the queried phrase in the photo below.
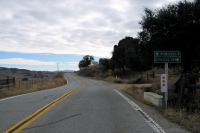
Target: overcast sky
(75, 27)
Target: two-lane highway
(81, 106)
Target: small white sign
(163, 81)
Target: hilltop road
(81, 106)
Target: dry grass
(110, 79)
(49, 83)
(94, 71)
(190, 121)
(136, 91)
(156, 84)
(187, 120)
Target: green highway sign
(167, 56)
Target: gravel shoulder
(167, 125)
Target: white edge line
(149, 120)
(14, 96)
(23, 95)
(66, 79)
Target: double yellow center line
(81, 83)
(28, 120)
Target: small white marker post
(164, 85)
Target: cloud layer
(21, 61)
(70, 27)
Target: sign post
(166, 57)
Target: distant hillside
(19, 74)
(67, 70)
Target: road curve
(81, 106)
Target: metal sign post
(166, 93)
(166, 57)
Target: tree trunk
(141, 74)
(124, 70)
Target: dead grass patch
(110, 79)
(148, 102)
(49, 83)
(136, 91)
(189, 121)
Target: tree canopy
(86, 61)
(174, 27)
(107, 64)
(128, 54)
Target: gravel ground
(168, 126)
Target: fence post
(8, 82)
(180, 92)
(14, 81)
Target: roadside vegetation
(47, 83)
(188, 120)
(174, 27)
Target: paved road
(91, 108)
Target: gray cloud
(70, 27)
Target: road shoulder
(167, 125)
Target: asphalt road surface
(81, 106)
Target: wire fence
(158, 75)
(12, 83)
(28, 83)
(7, 83)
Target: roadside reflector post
(164, 90)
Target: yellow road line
(28, 120)
(81, 83)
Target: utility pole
(58, 67)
